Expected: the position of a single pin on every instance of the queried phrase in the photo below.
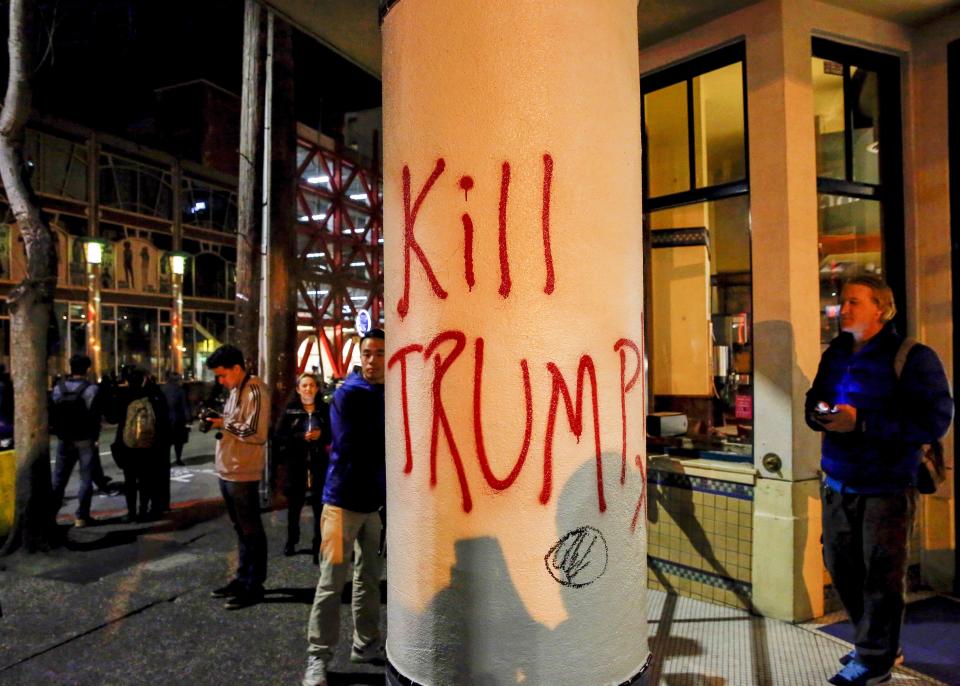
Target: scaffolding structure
(339, 250)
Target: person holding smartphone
(301, 439)
(874, 423)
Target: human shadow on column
(604, 636)
(481, 633)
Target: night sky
(107, 57)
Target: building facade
(128, 218)
(787, 145)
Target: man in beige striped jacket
(241, 453)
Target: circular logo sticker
(363, 322)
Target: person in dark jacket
(301, 439)
(179, 414)
(75, 419)
(354, 492)
(875, 424)
(141, 463)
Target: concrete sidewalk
(129, 604)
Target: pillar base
(641, 678)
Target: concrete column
(514, 302)
(788, 576)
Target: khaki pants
(341, 529)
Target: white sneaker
(316, 674)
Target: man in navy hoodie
(354, 492)
(875, 424)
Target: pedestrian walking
(75, 419)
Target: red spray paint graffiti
(466, 184)
(574, 408)
(441, 364)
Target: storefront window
(694, 126)
(718, 122)
(829, 117)
(209, 276)
(108, 348)
(210, 332)
(860, 203)
(850, 242)
(701, 314)
(137, 331)
(699, 306)
(192, 367)
(666, 126)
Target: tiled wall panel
(700, 537)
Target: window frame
(686, 72)
(889, 191)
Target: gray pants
(865, 540)
(341, 530)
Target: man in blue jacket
(354, 493)
(875, 424)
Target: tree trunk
(248, 221)
(282, 344)
(31, 303)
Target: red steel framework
(339, 251)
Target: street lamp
(93, 252)
(178, 264)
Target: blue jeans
(243, 506)
(68, 454)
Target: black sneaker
(228, 591)
(243, 599)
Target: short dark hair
(79, 364)
(373, 333)
(226, 356)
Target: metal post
(176, 317)
(94, 254)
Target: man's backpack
(71, 419)
(932, 471)
(140, 425)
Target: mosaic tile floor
(700, 644)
